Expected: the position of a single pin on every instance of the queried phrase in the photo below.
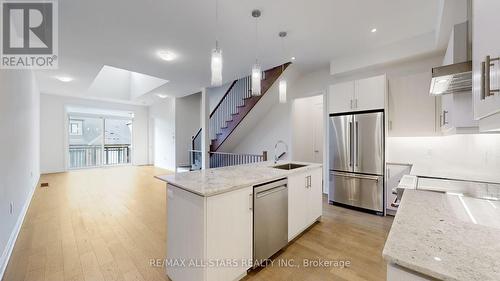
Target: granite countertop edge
(170, 179)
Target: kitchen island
(443, 236)
(210, 216)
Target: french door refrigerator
(357, 160)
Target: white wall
(215, 94)
(162, 116)
(53, 129)
(188, 122)
(19, 152)
(472, 157)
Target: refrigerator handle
(351, 134)
(356, 145)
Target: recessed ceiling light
(162, 96)
(64, 78)
(293, 58)
(374, 30)
(167, 55)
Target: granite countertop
(220, 180)
(446, 236)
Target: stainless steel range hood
(455, 77)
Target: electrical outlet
(11, 208)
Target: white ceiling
(127, 34)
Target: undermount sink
(289, 166)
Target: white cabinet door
(485, 42)
(456, 114)
(411, 110)
(315, 196)
(305, 191)
(447, 113)
(370, 93)
(340, 97)
(229, 233)
(297, 204)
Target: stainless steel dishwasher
(270, 219)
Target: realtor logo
(29, 35)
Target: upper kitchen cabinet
(411, 110)
(370, 93)
(486, 70)
(358, 95)
(341, 97)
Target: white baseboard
(4, 259)
(52, 171)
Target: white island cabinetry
(209, 230)
(210, 217)
(304, 201)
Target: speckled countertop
(219, 180)
(445, 236)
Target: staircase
(228, 114)
(236, 104)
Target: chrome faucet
(276, 156)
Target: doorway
(307, 129)
(96, 141)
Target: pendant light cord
(256, 40)
(216, 24)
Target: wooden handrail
(222, 99)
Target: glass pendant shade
(256, 78)
(216, 67)
(282, 91)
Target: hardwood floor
(107, 224)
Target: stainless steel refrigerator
(357, 160)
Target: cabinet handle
(486, 91)
(445, 122)
(308, 181)
(356, 103)
(250, 201)
(388, 173)
(351, 104)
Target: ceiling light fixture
(216, 63)
(167, 55)
(256, 70)
(293, 58)
(64, 78)
(282, 84)
(162, 96)
(374, 30)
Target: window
(75, 127)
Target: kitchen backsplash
(471, 157)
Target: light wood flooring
(107, 224)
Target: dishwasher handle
(267, 192)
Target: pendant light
(256, 70)
(216, 63)
(282, 83)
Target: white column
(205, 139)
